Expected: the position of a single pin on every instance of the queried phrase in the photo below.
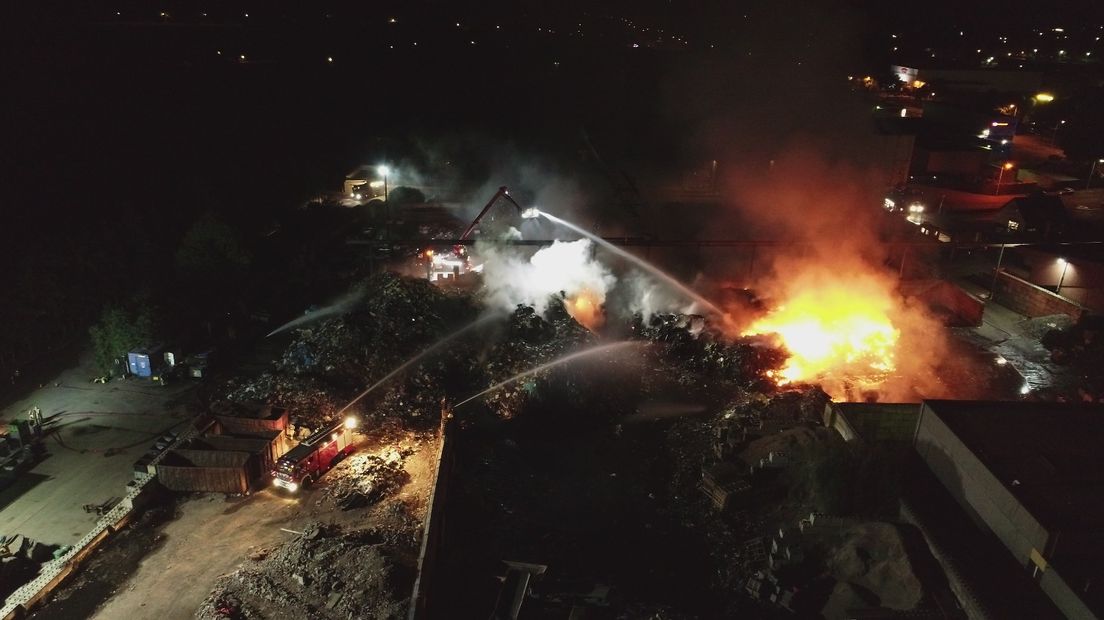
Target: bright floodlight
(1044, 97)
(530, 213)
(350, 422)
(383, 171)
(1061, 261)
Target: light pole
(1000, 177)
(1092, 171)
(1062, 278)
(384, 171)
(1054, 135)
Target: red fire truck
(314, 456)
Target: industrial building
(1033, 474)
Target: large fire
(835, 335)
(586, 308)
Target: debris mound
(323, 573)
(20, 560)
(364, 479)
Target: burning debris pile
(329, 361)
(364, 479)
(689, 351)
(530, 340)
(323, 573)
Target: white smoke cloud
(509, 278)
(643, 295)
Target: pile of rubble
(530, 341)
(20, 560)
(365, 479)
(330, 361)
(688, 348)
(323, 573)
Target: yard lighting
(384, 172)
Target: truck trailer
(314, 456)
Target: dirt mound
(872, 556)
(323, 573)
(364, 479)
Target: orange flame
(834, 336)
(586, 308)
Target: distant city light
(1044, 97)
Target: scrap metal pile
(325, 572)
(329, 361)
(364, 479)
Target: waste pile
(20, 560)
(330, 361)
(1080, 347)
(531, 340)
(324, 572)
(688, 349)
(364, 479)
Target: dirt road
(210, 537)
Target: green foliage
(210, 251)
(841, 478)
(120, 329)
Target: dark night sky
(136, 111)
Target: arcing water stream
(556, 362)
(430, 349)
(639, 262)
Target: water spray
(556, 362)
(636, 260)
(339, 307)
(430, 349)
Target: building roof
(1039, 212)
(1048, 455)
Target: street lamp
(1092, 171)
(384, 171)
(1054, 135)
(1007, 166)
(1065, 265)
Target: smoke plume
(511, 278)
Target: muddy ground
(166, 563)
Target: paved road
(98, 432)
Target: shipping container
(145, 362)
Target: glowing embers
(586, 308)
(834, 337)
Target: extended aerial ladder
(502, 192)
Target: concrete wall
(873, 422)
(976, 489)
(1082, 280)
(433, 527)
(1028, 299)
(1064, 598)
(957, 307)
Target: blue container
(139, 362)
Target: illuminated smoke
(509, 278)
